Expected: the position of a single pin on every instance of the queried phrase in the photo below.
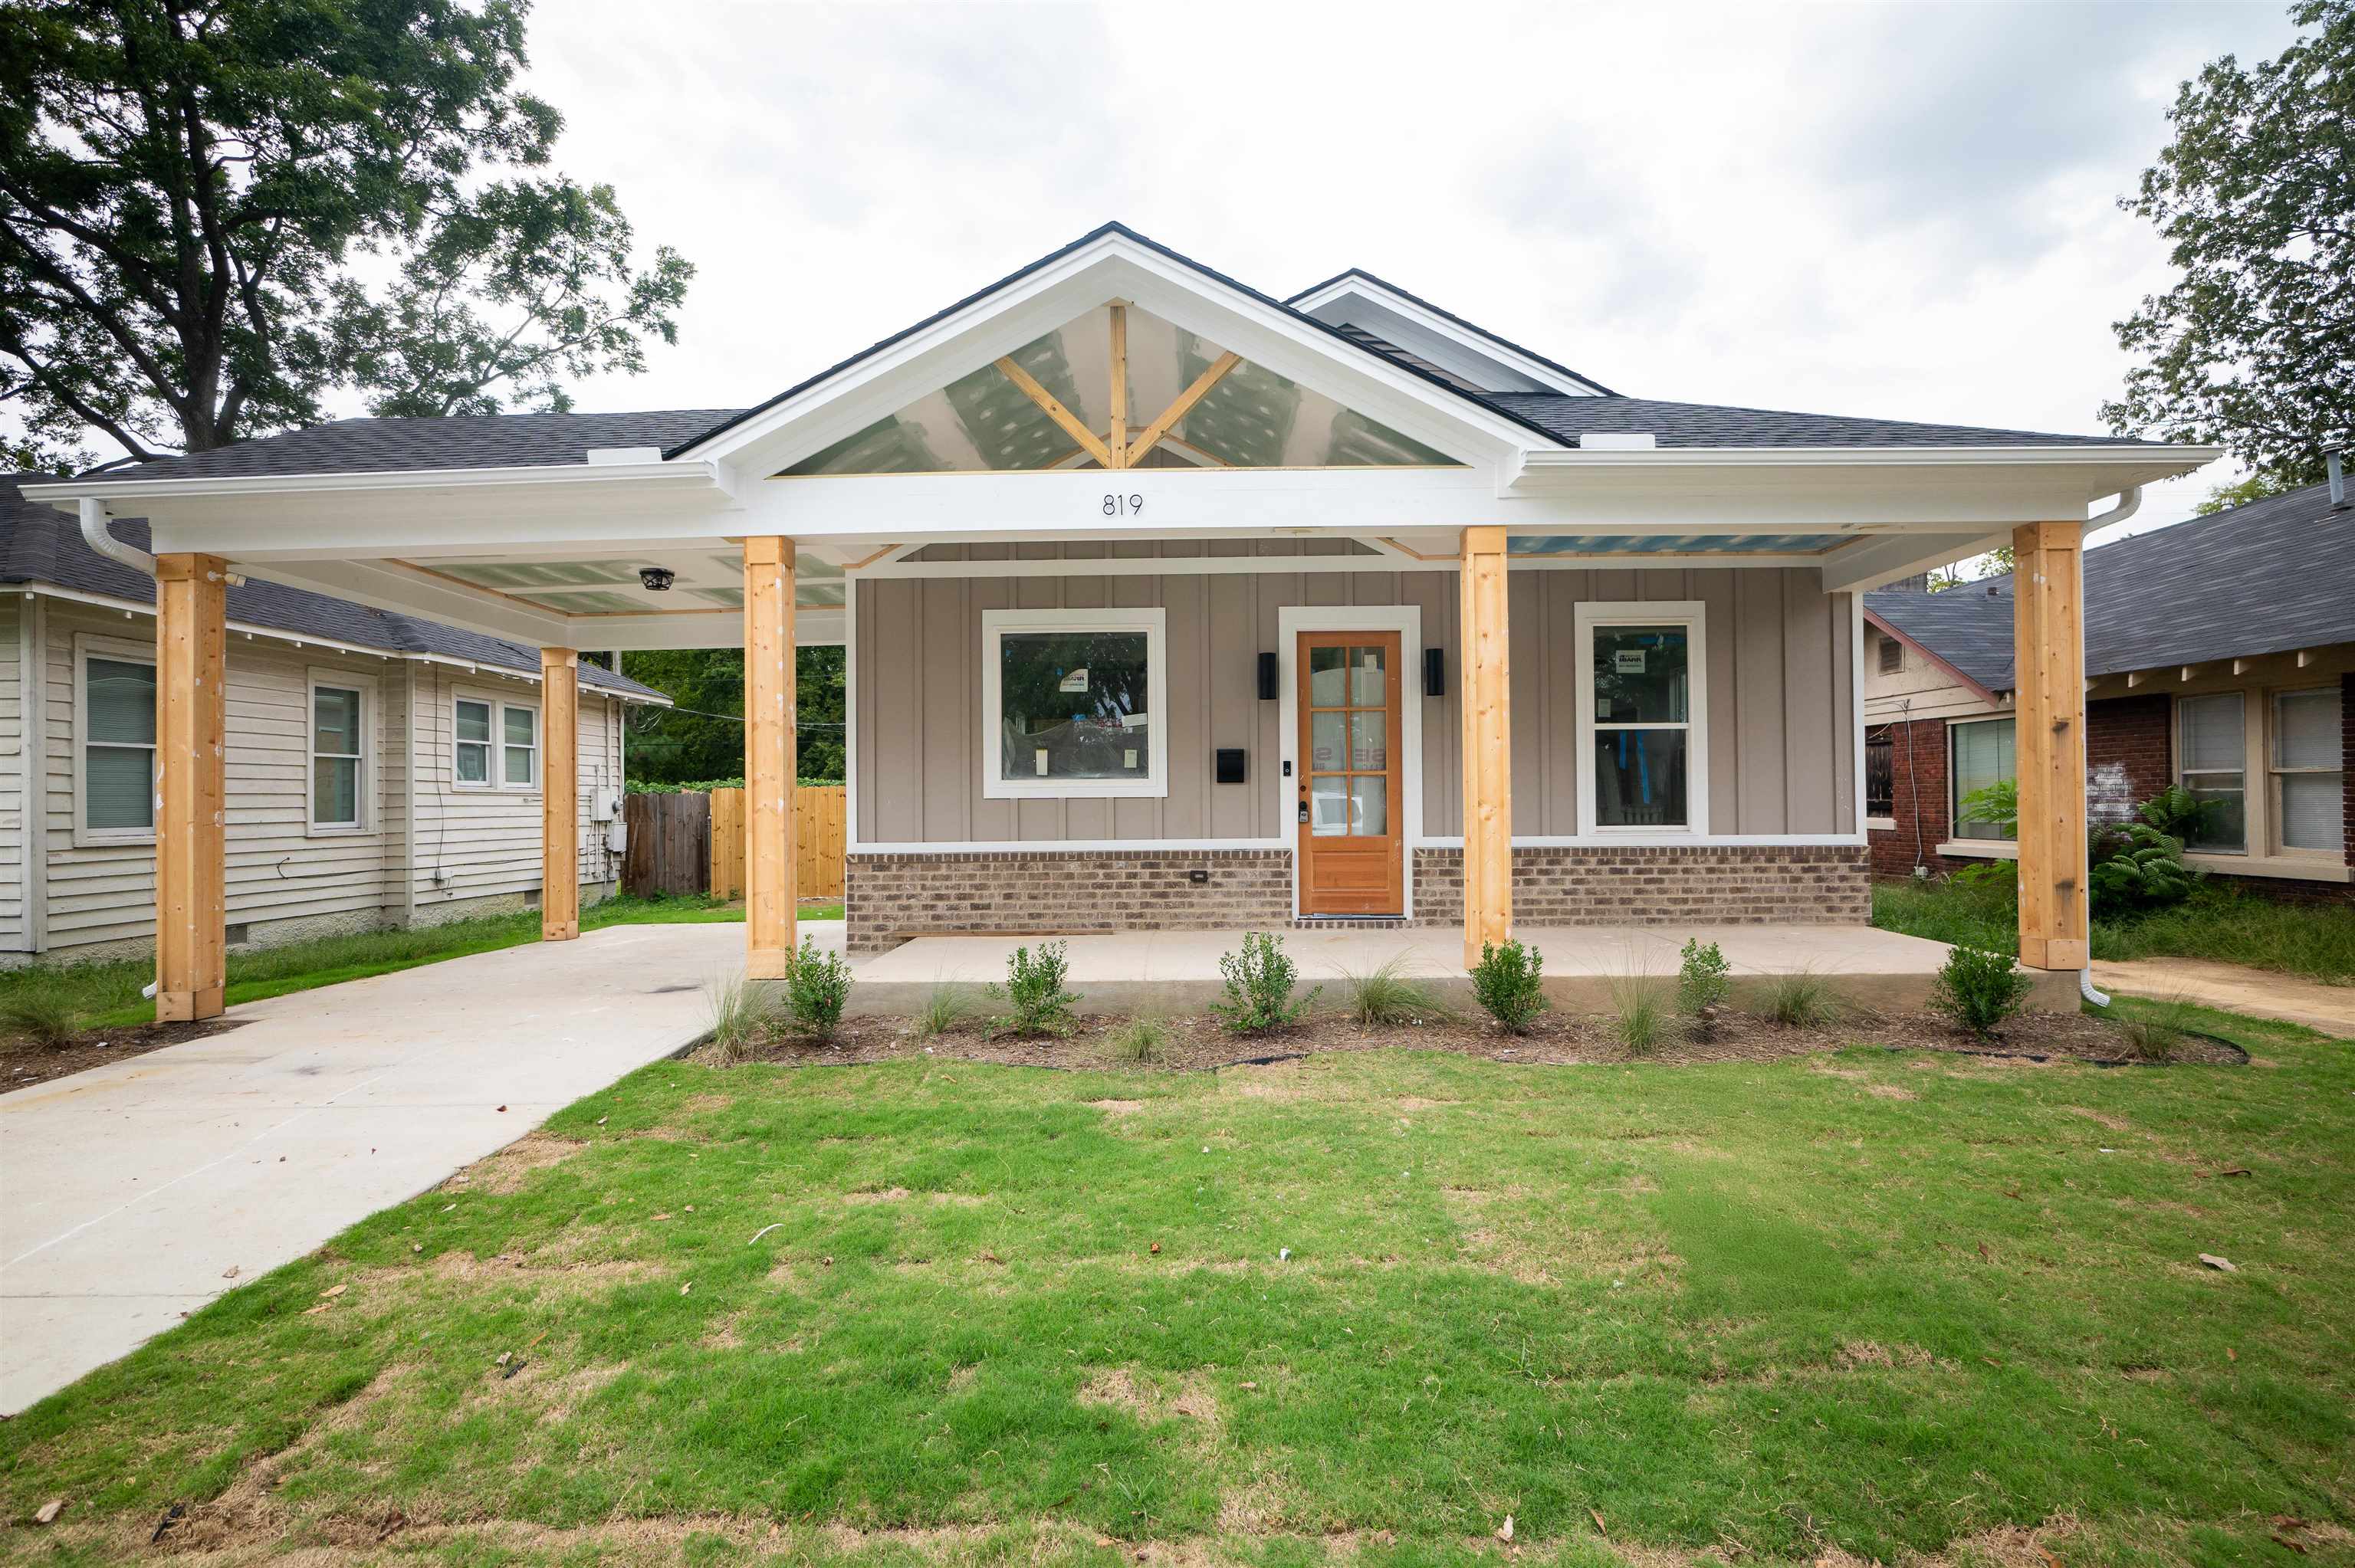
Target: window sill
(337, 831)
(1880, 824)
(1978, 849)
(1077, 790)
(2290, 868)
(84, 839)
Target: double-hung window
(115, 693)
(1642, 718)
(1981, 753)
(495, 744)
(338, 753)
(1073, 702)
(2309, 769)
(2211, 735)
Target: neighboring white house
(382, 770)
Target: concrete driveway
(137, 1193)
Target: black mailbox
(1230, 764)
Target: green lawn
(933, 1311)
(105, 995)
(2218, 922)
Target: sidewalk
(2235, 989)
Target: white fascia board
(1112, 267)
(1420, 330)
(405, 591)
(685, 476)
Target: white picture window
(1074, 703)
(2211, 738)
(1981, 753)
(114, 698)
(340, 709)
(495, 744)
(2309, 778)
(1642, 718)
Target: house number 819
(1123, 506)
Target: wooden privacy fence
(695, 842)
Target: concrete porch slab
(1177, 971)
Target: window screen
(2309, 771)
(119, 752)
(1983, 756)
(1643, 726)
(2215, 769)
(474, 742)
(521, 728)
(335, 757)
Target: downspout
(2129, 502)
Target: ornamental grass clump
(1384, 995)
(1977, 990)
(1507, 983)
(1260, 980)
(1036, 1003)
(1639, 1013)
(743, 1014)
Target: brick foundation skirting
(890, 898)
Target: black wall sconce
(1267, 692)
(1435, 672)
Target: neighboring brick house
(2220, 655)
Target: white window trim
(2257, 816)
(1693, 615)
(2000, 849)
(368, 688)
(996, 623)
(497, 702)
(124, 652)
(2276, 850)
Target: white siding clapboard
(15, 923)
(279, 869)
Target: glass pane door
(1348, 759)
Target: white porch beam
(1884, 558)
(407, 592)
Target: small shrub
(1260, 980)
(1384, 995)
(944, 1010)
(1702, 983)
(40, 1014)
(1140, 1042)
(1639, 1013)
(743, 1014)
(2137, 868)
(817, 985)
(1977, 990)
(2155, 1031)
(1507, 980)
(1802, 999)
(1035, 1000)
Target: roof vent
(602, 455)
(1601, 442)
(2338, 481)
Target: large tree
(702, 738)
(2254, 347)
(214, 214)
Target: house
(1172, 605)
(2220, 655)
(381, 768)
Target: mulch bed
(1197, 1044)
(25, 1063)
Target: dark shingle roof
(39, 544)
(1716, 425)
(2272, 576)
(390, 446)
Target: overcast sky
(1902, 210)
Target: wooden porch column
(2048, 653)
(1487, 746)
(770, 752)
(191, 646)
(560, 795)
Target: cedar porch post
(1487, 746)
(2048, 656)
(191, 649)
(560, 795)
(770, 752)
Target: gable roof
(41, 545)
(1447, 315)
(505, 441)
(2272, 576)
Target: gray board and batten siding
(1781, 757)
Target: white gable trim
(1485, 361)
(1112, 267)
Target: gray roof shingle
(391, 446)
(39, 544)
(1716, 425)
(2272, 576)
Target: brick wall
(1917, 772)
(888, 898)
(2129, 753)
(1735, 885)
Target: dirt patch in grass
(881, 1195)
(1152, 1399)
(507, 1171)
(1197, 1044)
(1116, 1107)
(25, 1063)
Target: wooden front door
(1350, 806)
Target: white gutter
(101, 538)
(2168, 458)
(665, 475)
(2129, 503)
